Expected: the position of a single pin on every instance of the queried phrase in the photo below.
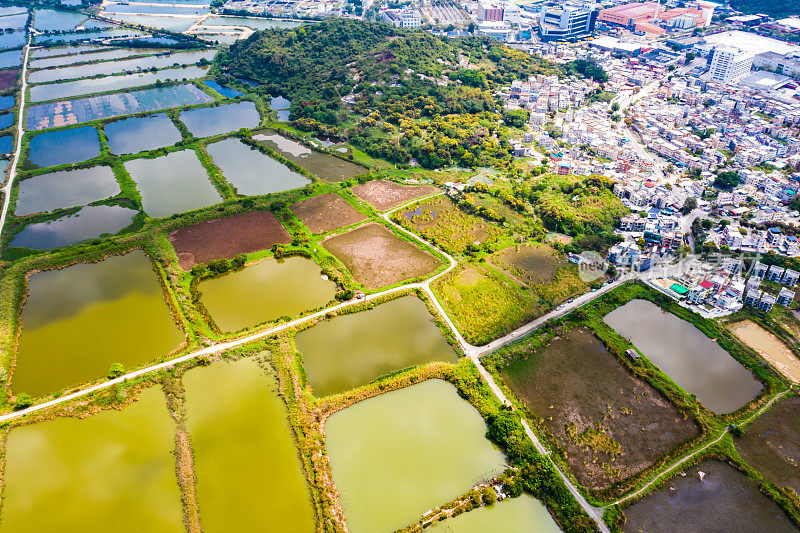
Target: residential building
(729, 64)
(566, 23)
(766, 302)
(752, 297)
(760, 270)
(407, 17)
(790, 277)
(774, 236)
(774, 274)
(785, 297)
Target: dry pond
(326, 212)
(384, 195)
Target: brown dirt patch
(384, 195)
(609, 424)
(326, 212)
(376, 257)
(771, 443)
(527, 264)
(227, 237)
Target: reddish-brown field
(227, 237)
(376, 257)
(326, 212)
(383, 195)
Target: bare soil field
(376, 257)
(227, 237)
(384, 195)
(724, 499)
(326, 212)
(609, 424)
(771, 443)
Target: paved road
(12, 169)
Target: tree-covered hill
(773, 8)
(397, 94)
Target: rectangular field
(64, 113)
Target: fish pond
(70, 474)
(724, 499)
(249, 477)
(51, 20)
(518, 515)
(61, 61)
(177, 24)
(137, 134)
(351, 350)
(265, 292)
(79, 320)
(172, 183)
(64, 146)
(116, 67)
(610, 424)
(255, 23)
(67, 112)
(397, 455)
(69, 89)
(326, 166)
(209, 121)
(685, 354)
(56, 190)
(251, 172)
(226, 92)
(90, 222)
(769, 346)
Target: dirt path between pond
(473, 352)
(12, 171)
(688, 457)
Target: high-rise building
(566, 23)
(490, 10)
(729, 64)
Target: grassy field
(484, 304)
(441, 222)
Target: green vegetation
(773, 8)
(411, 98)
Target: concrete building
(407, 17)
(785, 297)
(752, 297)
(566, 23)
(766, 302)
(490, 10)
(774, 274)
(629, 14)
(729, 64)
(790, 277)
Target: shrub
(22, 401)
(116, 370)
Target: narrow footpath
(12, 169)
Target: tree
(116, 370)
(614, 107)
(516, 118)
(727, 180)
(706, 224)
(689, 205)
(794, 203)
(22, 401)
(488, 496)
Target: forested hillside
(396, 94)
(773, 8)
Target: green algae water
(79, 320)
(397, 455)
(249, 477)
(264, 292)
(352, 350)
(113, 471)
(518, 515)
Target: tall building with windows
(729, 64)
(567, 23)
(490, 10)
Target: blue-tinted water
(88, 223)
(134, 135)
(67, 188)
(227, 92)
(65, 146)
(14, 22)
(51, 20)
(6, 102)
(11, 59)
(6, 144)
(6, 120)
(12, 39)
(208, 121)
(279, 102)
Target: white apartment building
(566, 23)
(729, 64)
